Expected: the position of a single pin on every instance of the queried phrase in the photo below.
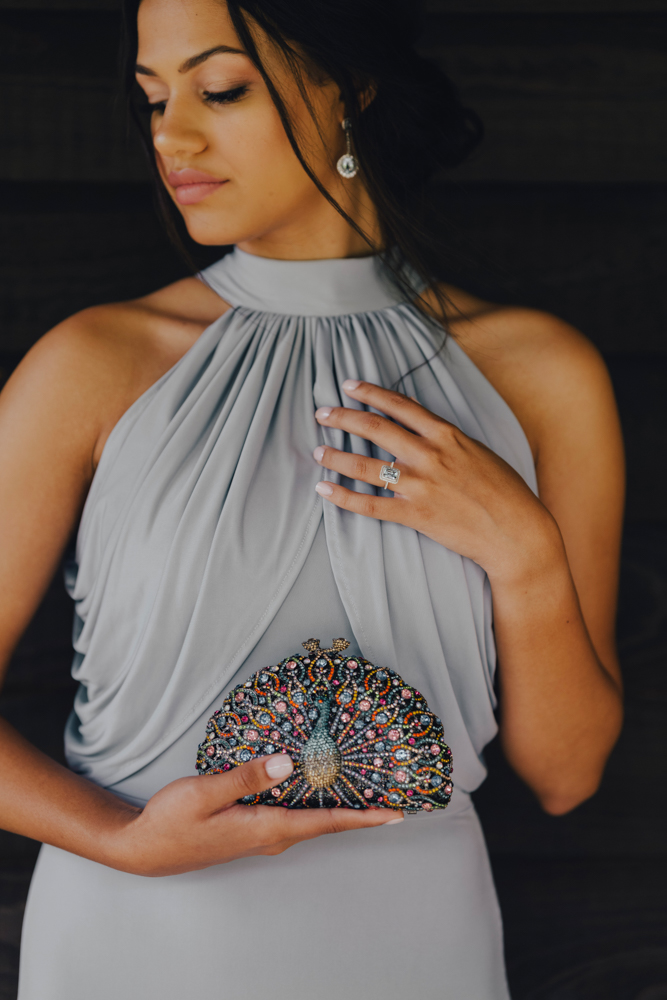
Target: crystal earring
(347, 166)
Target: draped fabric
(203, 510)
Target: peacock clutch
(359, 735)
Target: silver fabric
(203, 554)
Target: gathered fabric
(203, 510)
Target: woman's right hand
(196, 822)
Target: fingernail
(399, 819)
(279, 766)
(323, 413)
(324, 489)
(350, 384)
(318, 454)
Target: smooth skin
(552, 563)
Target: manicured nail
(399, 819)
(279, 766)
(324, 489)
(350, 384)
(323, 413)
(318, 454)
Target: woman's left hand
(452, 488)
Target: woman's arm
(552, 563)
(55, 412)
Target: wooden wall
(565, 208)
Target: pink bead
(394, 734)
(352, 664)
(406, 693)
(298, 719)
(275, 792)
(345, 717)
(275, 735)
(369, 793)
(427, 807)
(292, 665)
(239, 697)
(252, 735)
(210, 751)
(378, 762)
(409, 792)
(283, 689)
(364, 705)
(363, 770)
(400, 776)
(226, 767)
(411, 740)
(370, 733)
(382, 701)
(244, 718)
(435, 748)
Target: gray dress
(203, 554)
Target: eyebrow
(193, 60)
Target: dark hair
(414, 125)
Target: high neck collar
(333, 287)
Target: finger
(371, 426)
(359, 467)
(220, 790)
(304, 824)
(382, 508)
(405, 409)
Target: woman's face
(220, 145)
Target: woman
(219, 444)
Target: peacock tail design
(359, 735)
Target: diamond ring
(389, 476)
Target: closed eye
(225, 96)
(210, 96)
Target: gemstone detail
(355, 738)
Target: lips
(192, 185)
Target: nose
(176, 133)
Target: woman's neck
(316, 231)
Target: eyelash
(211, 97)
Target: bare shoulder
(89, 369)
(551, 376)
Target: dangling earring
(347, 166)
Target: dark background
(563, 208)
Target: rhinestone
(252, 735)
(401, 775)
(402, 755)
(424, 719)
(394, 735)
(313, 713)
(263, 678)
(381, 718)
(275, 792)
(364, 705)
(269, 748)
(299, 697)
(244, 755)
(369, 793)
(376, 778)
(345, 717)
(280, 706)
(394, 797)
(345, 697)
(321, 662)
(264, 718)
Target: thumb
(248, 779)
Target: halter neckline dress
(203, 555)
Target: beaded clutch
(359, 735)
